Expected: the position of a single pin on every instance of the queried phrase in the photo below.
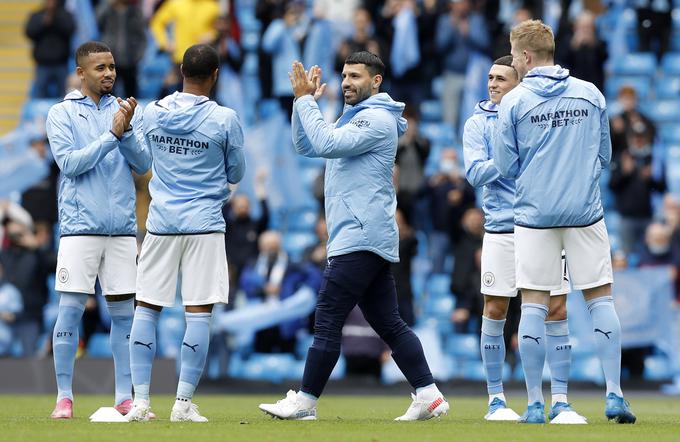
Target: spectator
(466, 277)
(582, 52)
(449, 196)
(10, 211)
(266, 11)
(193, 22)
(41, 199)
(622, 124)
(412, 152)
(316, 253)
(10, 307)
(655, 24)
(244, 231)
(459, 33)
(408, 249)
(283, 39)
(229, 91)
(362, 348)
(633, 185)
(51, 30)
(363, 39)
(273, 276)
(123, 29)
(28, 261)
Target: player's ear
(377, 81)
(215, 75)
(80, 72)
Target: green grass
(341, 418)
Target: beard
(359, 96)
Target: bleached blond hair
(534, 36)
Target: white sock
(429, 392)
(559, 398)
(307, 400)
(500, 396)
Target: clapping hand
(306, 82)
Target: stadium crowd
(437, 53)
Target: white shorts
(538, 251)
(498, 267)
(83, 258)
(200, 260)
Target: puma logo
(84, 116)
(537, 339)
(603, 332)
(193, 347)
(143, 344)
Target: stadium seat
(657, 368)
(296, 243)
(640, 84)
(670, 64)
(36, 109)
(662, 111)
(302, 221)
(635, 64)
(169, 334)
(673, 169)
(667, 87)
(438, 133)
(439, 284)
(670, 133)
(587, 369)
(431, 110)
(463, 346)
(274, 367)
(99, 346)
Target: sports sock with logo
(558, 354)
(194, 353)
(607, 331)
(65, 340)
(493, 353)
(531, 336)
(121, 313)
(143, 349)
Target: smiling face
(502, 79)
(358, 84)
(97, 73)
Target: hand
(646, 173)
(128, 108)
(627, 163)
(272, 290)
(260, 183)
(299, 81)
(460, 315)
(314, 75)
(118, 126)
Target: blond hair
(534, 36)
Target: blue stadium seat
(439, 284)
(169, 335)
(670, 64)
(463, 346)
(471, 370)
(586, 369)
(670, 133)
(673, 168)
(431, 110)
(662, 111)
(99, 346)
(37, 108)
(635, 64)
(657, 368)
(296, 243)
(640, 84)
(438, 133)
(302, 221)
(268, 367)
(667, 87)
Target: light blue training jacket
(360, 149)
(480, 171)
(96, 188)
(197, 149)
(552, 137)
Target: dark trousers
(362, 278)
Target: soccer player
(96, 141)
(197, 149)
(552, 137)
(498, 258)
(363, 240)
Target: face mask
(447, 166)
(659, 249)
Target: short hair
(534, 36)
(199, 62)
(506, 60)
(90, 47)
(374, 65)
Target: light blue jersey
(96, 189)
(552, 137)
(197, 149)
(480, 171)
(360, 148)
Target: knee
(557, 312)
(495, 308)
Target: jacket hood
(546, 81)
(77, 95)
(182, 113)
(486, 107)
(378, 101)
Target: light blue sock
(558, 354)
(493, 353)
(194, 352)
(143, 349)
(121, 313)
(607, 330)
(531, 335)
(65, 340)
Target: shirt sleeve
(300, 140)
(133, 145)
(605, 153)
(234, 160)
(479, 167)
(506, 154)
(326, 141)
(73, 160)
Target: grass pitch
(341, 418)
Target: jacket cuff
(115, 136)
